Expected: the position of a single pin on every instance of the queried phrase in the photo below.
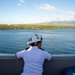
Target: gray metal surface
(10, 65)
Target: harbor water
(56, 41)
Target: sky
(36, 11)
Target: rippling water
(58, 41)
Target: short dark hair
(32, 44)
(35, 43)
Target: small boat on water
(10, 65)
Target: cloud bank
(21, 2)
(48, 7)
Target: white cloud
(21, 2)
(60, 13)
(63, 18)
(46, 7)
(71, 13)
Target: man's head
(35, 40)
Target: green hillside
(34, 26)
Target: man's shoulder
(39, 48)
(26, 48)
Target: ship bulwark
(10, 65)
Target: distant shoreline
(33, 26)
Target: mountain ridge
(58, 23)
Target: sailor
(34, 56)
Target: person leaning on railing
(34, 56)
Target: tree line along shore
(33, 26)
